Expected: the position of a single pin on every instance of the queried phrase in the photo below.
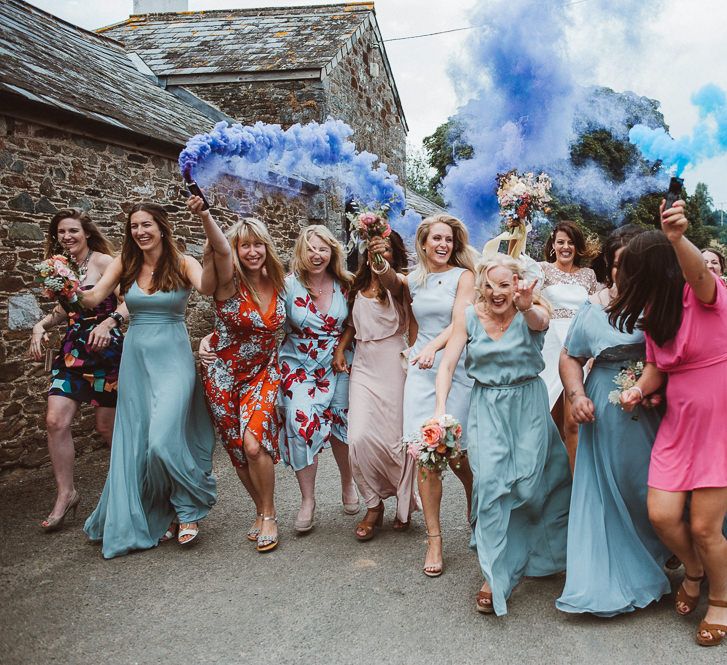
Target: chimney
(160, 6)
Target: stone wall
(366, 102)
(42, 170)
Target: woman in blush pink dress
(665, 289)
(378, 323)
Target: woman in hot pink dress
(665, 289)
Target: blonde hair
(482, 279)
(300, 264)
(249, 228)
(463, 255)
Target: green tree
(419, 174)
(445, 147)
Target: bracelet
(525, 311)
(118, 317)
(380, 272)
(641, 392)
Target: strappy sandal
(254, 531)
(267, 543)
(170, 533)
(434, 569)
(484, 602)
(187, 529)
(398, 525)
(717, 631)
(368, 528)
(684, 598)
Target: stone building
(97, 121)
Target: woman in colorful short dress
(378, 323)
(86, 368)
(314, 399)
(566, 286)
(665, 289)
(242, 382)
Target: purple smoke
(709, 138)
(319, 154)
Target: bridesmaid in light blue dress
(615, 559)
(521, 485)
(161, 457)
(441, 284)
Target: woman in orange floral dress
(242, 382)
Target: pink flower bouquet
(59, 280)
(436, 443)
(365, 225)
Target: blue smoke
(524, 103)
(319, 154)
(709, 138)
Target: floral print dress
(242, 384)
(313, 400)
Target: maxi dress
(432, 304)
(566, 293)
(615, 559)
(690, 451)
(313, 399)
(161, 454)
(379, 464)
(521, 479)
(242, 383)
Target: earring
(162, 234)
(552, 252)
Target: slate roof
(47, 62)
(422, 205)
(241, 40)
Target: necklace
(502, 324)
(83, 267)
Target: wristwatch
(118, 317)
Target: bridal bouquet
(59, 280)
(521, 195)
(436, 443)
(367, 224)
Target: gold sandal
(684, 598)
(717, 631)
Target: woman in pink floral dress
(313, 399)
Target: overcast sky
(681, 50)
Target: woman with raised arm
(566, 285)
(161, 458)
(441, 284)
(314, 399)
(615, 559)
(378, 323)
(521, 482)
(242, 382)
(665, 289)
(86, 368)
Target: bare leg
(708, 510)
(340, 454)
(307, 483)
(262, 476)
(243, 473)
(430, 490)
(666, 512)
(60, 414)
(461, 469)
(105, 422)
(570, 432)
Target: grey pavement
(319, 598)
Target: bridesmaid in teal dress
(161, 457)
(521, 486)
(615, 559)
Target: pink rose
(368, 218)
(431, 435)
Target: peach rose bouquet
(436, 443)
(58, 279)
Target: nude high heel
(50, 524)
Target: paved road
(320, 598)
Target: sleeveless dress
(313, 399)
(242, 384)
(690, 451)
(615, 559)
(81, 374)
(161, 454)
(521, 485)
(432, 305)
(376, 392)
(566, 293)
